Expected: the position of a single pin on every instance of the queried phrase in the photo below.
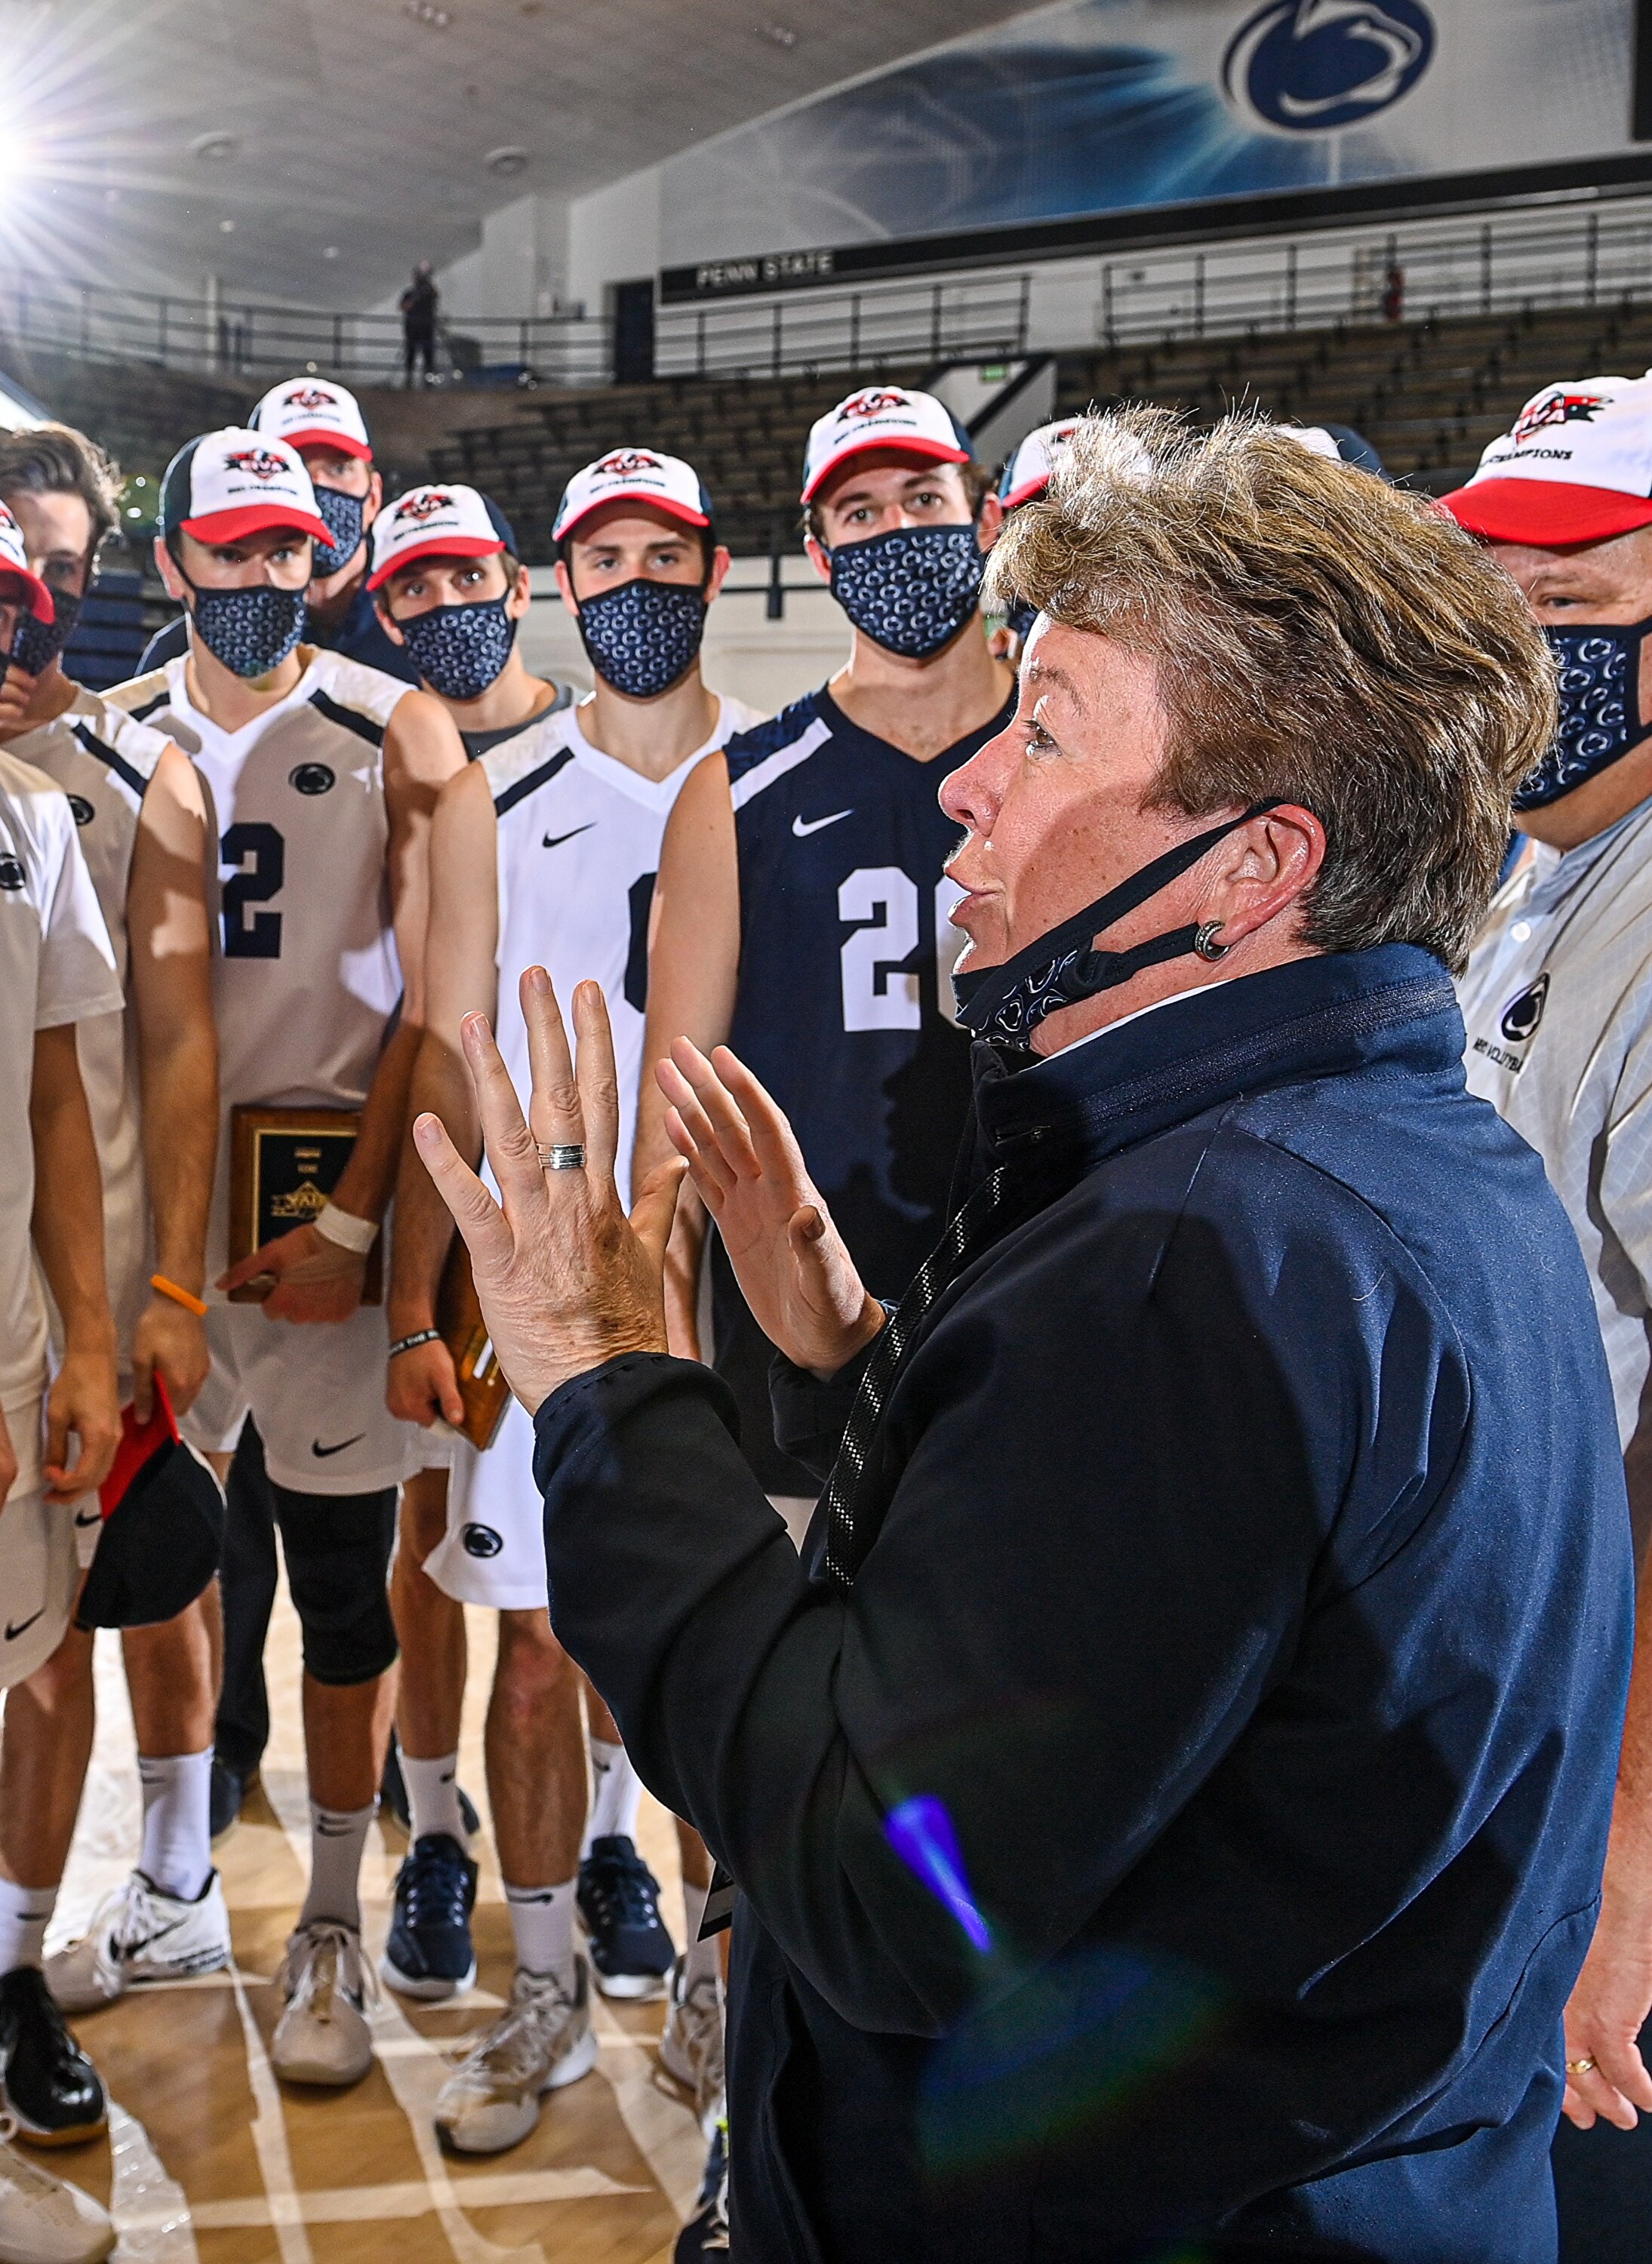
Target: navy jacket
(1254, 1594)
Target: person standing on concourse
(1168, 1798)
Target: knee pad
(337, 1551)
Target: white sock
(616, 1795)
(542, 1928)
(25, 1914)
(178, 1855)
(698, 1957)
(338, 1836)
(433, 1797)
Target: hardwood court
(209, 2160)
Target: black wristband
(418, 1336)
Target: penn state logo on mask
(480, 1541)
(1524, 1012)
(1312, 66)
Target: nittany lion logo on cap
(309, 397)
(1559, 408)
(423, 503)
(258, 463)
(625, 463)
(873, 403)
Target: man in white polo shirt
(1557, 999)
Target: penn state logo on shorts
(11, 874)
(1524, 1012)
(1311, 66)
(80, 809)
(480, 1541)
(312, 778)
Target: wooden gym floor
(209, 2160)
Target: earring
(1205, 941)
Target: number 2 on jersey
(879, 992)
(259, 853)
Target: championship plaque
(284, 1162)
(481, 1384)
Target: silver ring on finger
(563, 1155)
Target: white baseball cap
(1027, 473)
(1575, 465)
(440, 520)
(882, 416)
(312, 412)
(634, 476)
(15, 568)
(236, 482)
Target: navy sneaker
(618, 1899)
(429, 1953)
(707, 2231)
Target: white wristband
(356, 1235)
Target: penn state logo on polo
(312, 778)
(480, 1541)
(873, 403)
(1558, 408)
(417, 507)
(257, 463)
(1525, 1011)
(1314, 66)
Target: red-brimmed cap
(237, 482)
(634, 476)
(312, 412)
(881, 416)
(441, 519)
(15, 570)
(1576, 466)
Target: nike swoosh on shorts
(320, 1453)
(804, 826)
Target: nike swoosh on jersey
(84, 1516)
(320, 1453)
(15, 1628)
(804, 826)
(555, 840)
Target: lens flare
(921, 1833)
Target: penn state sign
(1314, 66)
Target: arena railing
(950, 319)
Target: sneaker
(619, 1901)
(429, 1952)
(324, 2036)
(139, 1934)
(692, 2046)
(53, 2092)
(42, 2220)
(394, 1804)
(541, 2042)
(707, 2231)
(226, 1792)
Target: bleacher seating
(1428, 394)
(140, 412)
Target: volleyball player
(321, 776)
(141, 819)
(510, 889)
(323, 422)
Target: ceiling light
(215, 146)
(331, 252)
(512, 159)
(428, 13)
(782, 34)
(226, 227)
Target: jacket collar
(1312, 1018)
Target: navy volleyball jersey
(846, 945)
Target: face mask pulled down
(1064, 965)
(1600, 707)
(460, 650)
(911, 590)
(644, 636)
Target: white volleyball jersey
(305, 973)
(104, 761)
(579, 838)
(56, 966)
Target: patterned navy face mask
(1601, 708)
(344, 517)
(36, 644)
(912, 590)
(644, 636)
(252, 631)
(460, 650)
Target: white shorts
(39, 1555)
(493, 1551)
(315, 1392)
